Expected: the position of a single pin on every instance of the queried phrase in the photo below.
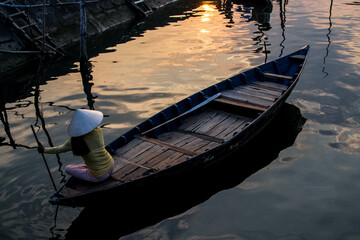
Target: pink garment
(82, 172)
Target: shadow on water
(120, 217)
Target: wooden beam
(271, 85)
(278, 76)
(238, 103)
(276, 91)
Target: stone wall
(62, 25)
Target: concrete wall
(62, 25)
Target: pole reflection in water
(114, 218)
(282, 5)
(5, 122)
(329, 41)
(87, 83)
(226, 6)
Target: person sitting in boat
(86, 141)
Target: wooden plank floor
(197, 134)
(217, 124)
(167, 150)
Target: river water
(299, 180)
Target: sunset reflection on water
(170, 62)
(308, 189)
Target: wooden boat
(103, 221)
(196, 132)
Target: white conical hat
(84, 121)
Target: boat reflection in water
(118, 217)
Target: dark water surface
(298, 180)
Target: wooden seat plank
(262, 86)
(262, 89)
(277, 76)
(258, 94)
(272, 85)
(266, 92)
(238, 103)
(245, 98)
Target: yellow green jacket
(98, 160)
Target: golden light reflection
(208, 13)
(208, 8)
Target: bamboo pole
(42, 154)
